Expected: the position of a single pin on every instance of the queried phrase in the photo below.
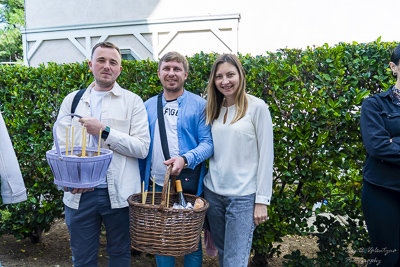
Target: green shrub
(314, 96)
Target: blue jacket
(194, 137)
(380, 131)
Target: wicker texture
(158, 230)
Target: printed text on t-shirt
(171, 112)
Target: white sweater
(243, 153)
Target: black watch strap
(186, 162)
(105, 133)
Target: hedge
(314, 96)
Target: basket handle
(165, 188)
(60, 156)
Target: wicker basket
(159, 230)
(78, 172)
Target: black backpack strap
(161, 127)
(75, 102)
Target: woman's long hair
(215, 98)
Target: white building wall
(60, 13)
(60, 51)
(264, 25)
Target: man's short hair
(106, 45)
(174, 56)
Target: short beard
(105, 85)
(173, 90)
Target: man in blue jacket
(189, 139)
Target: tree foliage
(13, 17)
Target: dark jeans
(84, 226)
(381, 208)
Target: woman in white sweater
(239, 182)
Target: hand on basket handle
(92, 125)
(177, 165)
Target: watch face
(105, 133)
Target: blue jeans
(231, 222)
(194, 259)
(84, 226)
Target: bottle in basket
(181, 198)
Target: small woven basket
(161, 230)
(78, 172)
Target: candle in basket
(169, 190)
(72, 140)
(66, 141)
(143, 192)
(83, 140)
(154, 188)
(98, 151)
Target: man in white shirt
(121, 116)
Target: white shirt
(96, 97)
(158, 168)
(243, 153)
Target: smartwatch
(105, 133)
